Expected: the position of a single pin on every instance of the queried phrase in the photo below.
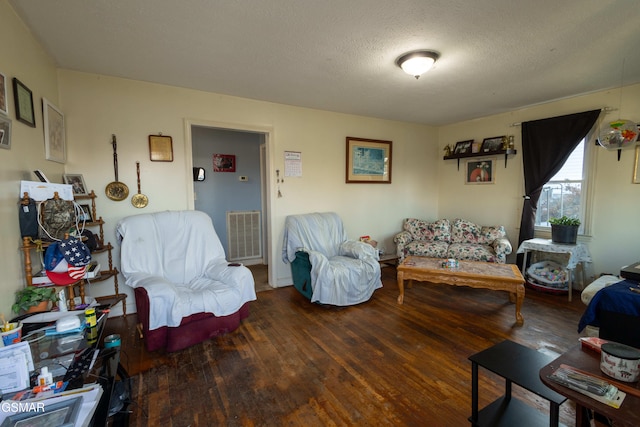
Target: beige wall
(615, 237)
(21, 57)
(98, 106)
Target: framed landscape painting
(368, 161)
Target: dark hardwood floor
(379, 363)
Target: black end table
(519, 365)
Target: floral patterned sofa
(460, 239)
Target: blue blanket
(617, 298)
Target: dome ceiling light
(417, 62)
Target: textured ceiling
(339, 55)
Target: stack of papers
(15, 364)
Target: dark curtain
(546, 145)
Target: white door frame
(264, 174)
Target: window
(566, 193)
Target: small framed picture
(77, 184)
(4, 108)
(480, 172)
(54, 134)
(160, 148)
(85, 215)
(492, 144)
(5, 132)
(463, 147)
(224, 163)
(24, 103)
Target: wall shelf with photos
(506, 153)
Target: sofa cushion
(438, 231)
(428, 249)
(463, 231)
(472, 252)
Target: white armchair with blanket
(186, 291)
(327, 267)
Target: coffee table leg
(400, 280)
(519, 301)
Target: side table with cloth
(616, 310)
(578, 253)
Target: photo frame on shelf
(77, 183)
(160, 148)
(463, 147)
(54, 132)
(368, 161)
(23, 98)
(492, 144)
(224, 163)
(480, 172)
(85, 215)
(5, 132)
(636, 175)
(4, 104)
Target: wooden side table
(628, 415)
(519, 365)
(388, 259)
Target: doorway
(234, 191)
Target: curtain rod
(605, 109)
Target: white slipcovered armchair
(186, 291)
(327, 267)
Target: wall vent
(244, 231)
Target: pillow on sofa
(463, 231)
(438, 231)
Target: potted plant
(29, 298)
(564, 230)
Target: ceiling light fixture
(418, 62)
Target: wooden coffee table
(485, 275)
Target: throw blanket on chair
(343, 272)
(178, 258)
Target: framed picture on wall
(3, 95)
(224, 163)
(54, 134)
(480, 172)
(24, 103)
(160, 148)
(5, 132)
(368, 161)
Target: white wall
(98, 106)
(615, 239)
(21, 57)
